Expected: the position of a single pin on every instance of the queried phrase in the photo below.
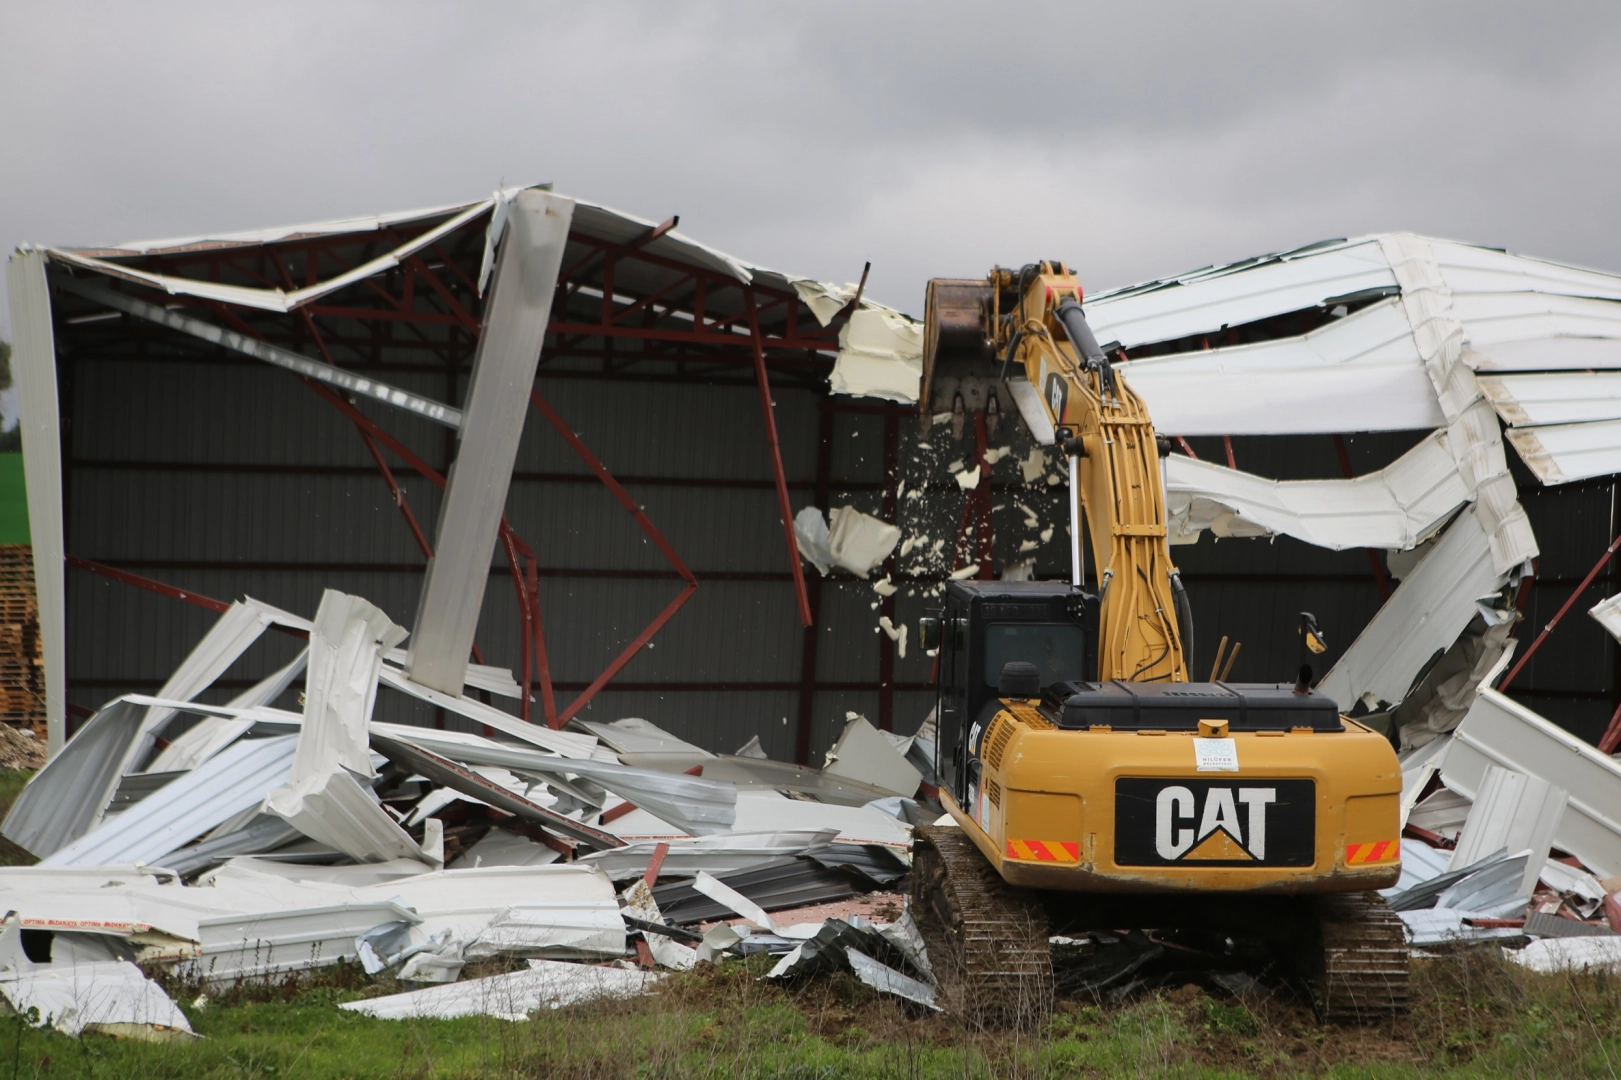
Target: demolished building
(372, 661)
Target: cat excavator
(1091, 786)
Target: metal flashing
(515, 321)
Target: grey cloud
(932, 138)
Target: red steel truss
(429, 303)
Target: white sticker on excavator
(1215, 755)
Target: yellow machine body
(1044, 812)
(1047, 798)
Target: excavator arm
(1103, 427)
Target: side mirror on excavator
(928, 633)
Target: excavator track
(1362, 978)
(993, 938)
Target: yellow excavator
(1092, 787)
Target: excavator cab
(984, 626)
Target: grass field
(1474, 1014)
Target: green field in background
(13, 500)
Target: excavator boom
(1104, 429)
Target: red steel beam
(219, 607)
(1611, 739)
(596, 466)
(784, 507)
(1609, 553)
(612, 484)
(415, 263)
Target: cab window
(1057, 649)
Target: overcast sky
(934, 138)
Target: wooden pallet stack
(22, 667)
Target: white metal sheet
(108, 997)
(271, 299)
(767, 811)
(1607, 613)
(467, 902)
(208, 737)
(266, 942)
(232, 634)
(1207, 301)
(1555, 398)
(1561, 453)
(1511, 812)
(567, 743)
(340, 689)
(1511, 331)
(64, 800)
(234, 780)
(1359, 373)
(1469, 268)
(548, 984)
(1395, 507)
(509, 345)
(332, 808)
(33, 373)
(1425, 616)
(1501, 731)
(863, 754)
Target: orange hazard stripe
(1376, 852)
(1060, 851)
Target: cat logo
(1057, 395)
(1220, 834)
(1194, 822)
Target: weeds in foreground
(1473, 1014)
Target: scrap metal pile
(245, 841)
(1509, 834)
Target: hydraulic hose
(1184, 617)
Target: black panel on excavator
(1180, 706)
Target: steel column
(768, 410)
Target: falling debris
(896, 634)
(968, 479)
(854, 541)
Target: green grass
(1474, 1015)
(11, 782)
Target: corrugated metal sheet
(1560, 453)
(236, 779)
(1426, 614)
(1555, 398)
(1395, 507)
(1214, 297)
(1359, 373)
(1499, 731)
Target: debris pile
(1506, 837)
(242, 841)
(20, 748)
